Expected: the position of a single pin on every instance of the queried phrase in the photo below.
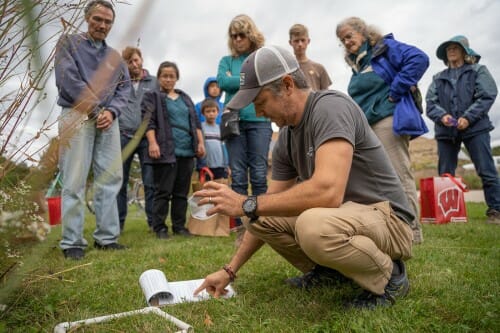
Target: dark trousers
(173, 181)
(480, 153)
(219, 172)
(147, 179)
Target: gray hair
(93, 4)
(298, 78)
(369, 32)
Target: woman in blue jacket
(373, 58)
(174, 139)
(458, 101)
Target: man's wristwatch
(250, 207)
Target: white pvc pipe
(185, 328)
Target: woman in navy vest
(458, 101)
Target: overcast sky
(193, 33)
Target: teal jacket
(231, 84)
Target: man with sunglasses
(93, 84)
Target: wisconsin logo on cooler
(449, 200)
(442, 200)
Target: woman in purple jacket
(372, 58)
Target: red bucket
(54, 205)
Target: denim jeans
(173, 182)
(88, 146)
(248, 153)
(147, 179)
(480, 153)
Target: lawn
(454, 279)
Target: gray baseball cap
(263, 66)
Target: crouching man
(335, 208)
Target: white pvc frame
(185, 327)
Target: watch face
(249, 206)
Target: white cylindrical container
(155, 287)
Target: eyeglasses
(100, 20)
(242, 35)
(348, 36)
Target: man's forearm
(248, 247)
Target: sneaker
(318, 276)
(74, 253)
(162, 234)
(493, 216)
(397, 287)
(110, 246)
(370, 301)
(183, 232)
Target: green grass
(454, 279)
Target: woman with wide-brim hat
(458, 101)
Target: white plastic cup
(199, 212)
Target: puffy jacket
(406, 63)
(217, 99)
(397, 64)
(154, 111)
(472, 97)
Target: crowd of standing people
(342, 203)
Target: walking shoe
(318, 276)
(493, 216)
(74, 253)
(110, 246)
(183, 232)
(162, 234)
(397, 287)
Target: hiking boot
(493, 216)
(74, 253)
(318, 276)
(110, 246)
(397, 287)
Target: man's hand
(104, 120)
(225, 200)
(215, 284)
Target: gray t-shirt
(329, 115)
(213, 146)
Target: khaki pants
(398, 150)
(360, 241)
